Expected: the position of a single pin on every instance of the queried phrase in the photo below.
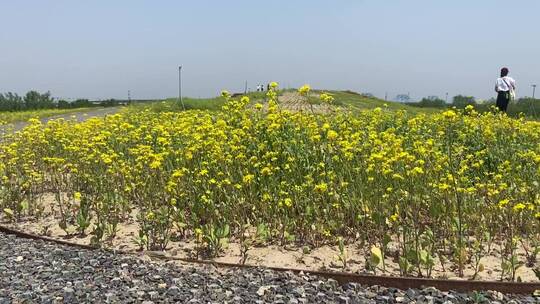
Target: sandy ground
(323, 258)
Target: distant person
(505, 88)
(267, 87)
(262, 88)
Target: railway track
(341, 277)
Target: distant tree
(109, 103)
(81, 103)
(11, 102)
(527, 106)
(528, 100)
(431, 102)
(63, 104)
(461, 101)
(35, 100)
(492, 100)
(403, 98)
(368, 95)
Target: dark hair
(504, 72)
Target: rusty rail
(340, 277)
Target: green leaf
(386, 240)
(341, 245)
(423, 257)
(9, 212)
(506, 266)
(289, 237)
(25, 205)
(376, 257)
(226, 231)
(481, 267)
(224, 243)
(405, 265)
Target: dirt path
(78, 116)
(292, 101)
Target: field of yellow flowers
(452, 187)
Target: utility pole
(129, 97)
(245, 88)
(534, 90)
(180, 87)
(385, 96)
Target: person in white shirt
(505, 87)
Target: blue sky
(101, 49)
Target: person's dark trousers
(503, 98)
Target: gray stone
(431, 291)
(400, 299)
(263, 290)
(88, 269)
(42, 299)
(68, 292)
(140, 294)
(60, 274)
(299, 291)
(429, 300)
(411, 293)
(110, 297)
(176, 282)
(173, 291)
(370, 294)
(153, 295)
(116, 281)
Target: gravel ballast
(41, 272)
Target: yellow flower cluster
(304, 90)
(327, 98)
(365, 175)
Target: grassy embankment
(349, 99)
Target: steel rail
(517, 288)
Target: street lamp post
(180, 87)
